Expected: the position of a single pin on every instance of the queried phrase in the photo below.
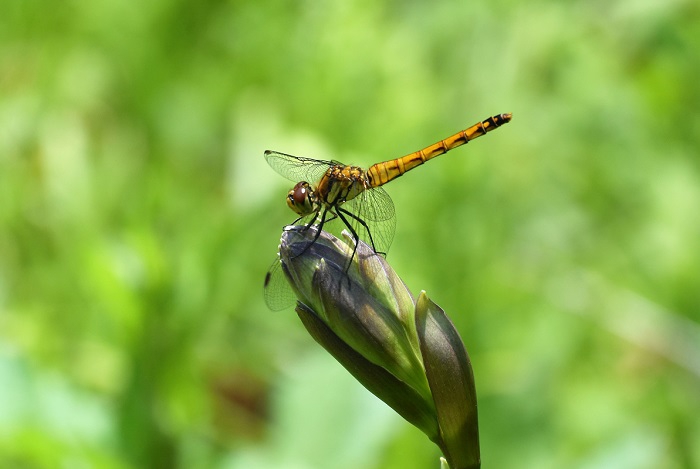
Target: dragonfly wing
(297, 168)
(376, 210)
(377, 204)
(276, 290)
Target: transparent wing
(374, 218)
(297, 168)
(276, 290)
(376, 204)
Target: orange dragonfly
(330, 190)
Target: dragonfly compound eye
(299, 199)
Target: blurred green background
(138, 218)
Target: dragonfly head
(302, 199)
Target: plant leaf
(394, 392)
(451, 381)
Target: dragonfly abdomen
(381, 173)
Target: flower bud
(404, 351)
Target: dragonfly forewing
(297, 168)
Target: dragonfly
(326, 191)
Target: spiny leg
(355, 236)
(318, 230)
(321, 223)
(364, 224)
(304, 228)
(308, 225)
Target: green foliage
(138, 218)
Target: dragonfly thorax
(302, 199)
(340, 184)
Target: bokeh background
(138, 218)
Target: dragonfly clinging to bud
(329, 190)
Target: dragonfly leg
(318, 230)
(331, 218)
(355, 236)
(364, 224)
(309, 224)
